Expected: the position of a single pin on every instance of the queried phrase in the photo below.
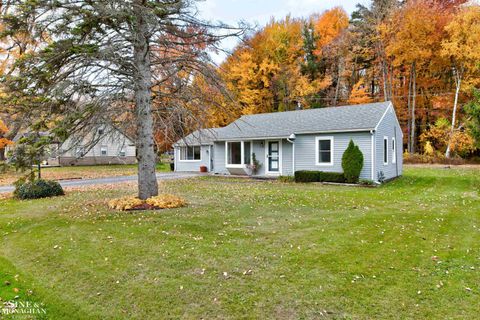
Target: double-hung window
(104, 150)
(394, 151)
(79, 152)
(324, 151)
(385, 150)
(190, 153)
(238, 153)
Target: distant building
(108, 145)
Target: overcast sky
(259, 12)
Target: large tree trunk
(458, 84)
(147, 180)
(414, 100)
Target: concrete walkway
(111, 180)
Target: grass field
(252, 250)
(80, 172)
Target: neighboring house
(106, 145)
(285, 142)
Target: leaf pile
(163, 201)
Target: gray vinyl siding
(259, 150)
(192, 166)
(305, 158)
(287, 157)
(387, 128)
(219, 160)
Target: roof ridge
(318, 109)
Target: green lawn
(253, 250)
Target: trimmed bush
(38, 189)
(352, 163)
(331, 177)
(319, 176)
(306, 176)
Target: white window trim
(106, 150)
(242, 152)
(385, 138)
(280, 159)
(332, 151)
(180, 154)
(394, 150)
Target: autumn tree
(103, 52)
(3, 140)
(461, 47)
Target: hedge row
(319, 176)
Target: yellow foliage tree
(4, 141)
(329, 26)
(359, 94)
(461, 47)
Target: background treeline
(423, 55)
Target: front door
(273, 156)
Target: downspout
(291, 139)
(372, 133)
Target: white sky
(259, 12)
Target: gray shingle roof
(283, 124)
(200, 137)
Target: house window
(385, 150)
(394, 151)
(79, 152)
(324, 151)
(122, 153)
(234, 152)
(190, 153)
(239, 153)
(104, 150)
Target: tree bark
(409, 107)
(147, 180)
(414, 99)
(458, 84)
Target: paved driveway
(111, 180)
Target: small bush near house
(319, 176)
(306, 176)
(38, 189)
(352, 162)
(163, 201)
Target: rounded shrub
(352, 163)
(38, 189)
